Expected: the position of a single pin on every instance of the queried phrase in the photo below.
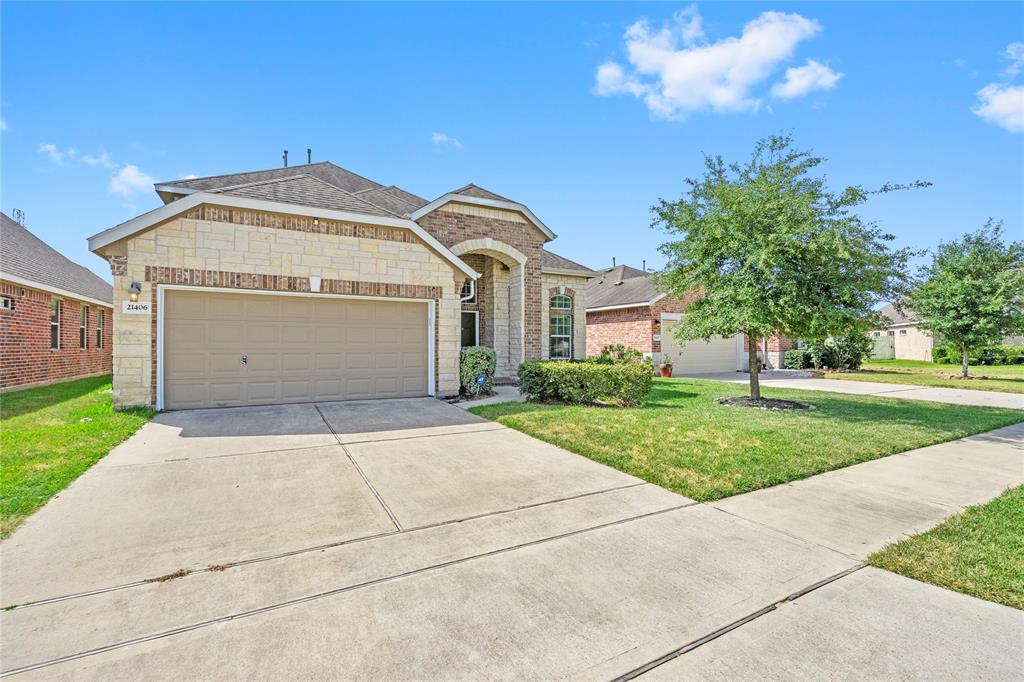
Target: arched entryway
(497, 308)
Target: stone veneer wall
(213, 246)
(576, 289)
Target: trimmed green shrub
(984, 355)
(473, 361)
(797, 358)
(622, 355)
(840, 352)
(585, 382)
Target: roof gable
(550, 261)
(306, 190)
(32, 261)
(620, 287)
(472, 190)
(334, 175)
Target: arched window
(560, 302)
(560, 328)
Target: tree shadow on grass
(17, 403)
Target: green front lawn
(979, 552)
(1001, 378)
(681, 440)
(49, 436)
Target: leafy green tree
(971, 293)
(773, 251)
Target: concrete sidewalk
(862, 508)
(955, 396)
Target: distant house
(902, 339)
(55, 315)
(624, 306)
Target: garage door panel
(698, 356)
(298, 349)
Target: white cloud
(58, 156)
(189, 176)
(801, 80)
(675, 70)
(1002, 105)
(130, 180)
(441, 140)
(1015, 55)
(102, 160)
(3, 125)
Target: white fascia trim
(641, 304)
(175, 190)
(569, 273)
(167, 211)
(490, 203)
(14, 279)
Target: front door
(470, 328)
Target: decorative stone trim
(118, 265)
(246, 280)
(296, 223)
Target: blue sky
(161, 91)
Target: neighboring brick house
(625, 307)
(313, 283)
(55, 315)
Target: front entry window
(561, 337)
(470, 329)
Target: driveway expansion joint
(738, 623)
(330, 593)
(359, 471)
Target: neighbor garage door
(228, 349)
(695, 357)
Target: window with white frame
(560, 327)
(560, 334)
(561, 302)
(99, 327)
(54, 323)
(903, 332)
(468, 294)
(83, 323)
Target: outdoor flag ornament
(134, 290)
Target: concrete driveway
(393, 540)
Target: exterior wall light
(134, 290)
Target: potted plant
(665, 368)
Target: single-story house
(55, 315)
(624, 306)
(902, 338)
(311, 282)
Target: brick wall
(25, 355)
(453, 224)
(632, 327)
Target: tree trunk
(964, 363)
(755, 384)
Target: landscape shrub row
(586, 382)
(848, 352)
(985, 355)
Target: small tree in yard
(970, 294)
(772, 251)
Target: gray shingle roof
(906, 317)
(306, 190)
(335, 175)
(25, 255)
(620, 286)
(393, 199)
(472, 190)
(549, 259)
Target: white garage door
(697, 357)
(227, 349)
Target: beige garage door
(226, 349)
(696, 357)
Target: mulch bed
(764, 403)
